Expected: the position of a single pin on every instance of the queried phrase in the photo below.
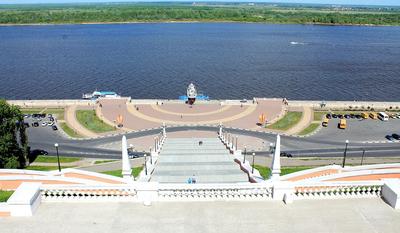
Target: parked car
(50, 123)
(285, 154)
(44, 123)
(396, 136)
(54, 127)
(26, 124)
(39, 152)
(358, 116)
(329, 116)
(243, 101)
(352, 115)
(389, 137)
(51, 118)
(347, 116)
(340, 116)
(35, 124)
(133, 154)
(334, 115)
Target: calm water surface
(225, 60)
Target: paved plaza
(320, 216)
(142, 116)
(184, 158)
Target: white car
(50, 123)
(44, 123)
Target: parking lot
(42, 133)
(359, 130)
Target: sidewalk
(70, 119)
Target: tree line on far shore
(147, 13)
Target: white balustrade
(336, 190)
(87, 193)
(210, 192)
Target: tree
(14, 148)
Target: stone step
(194, 159)
(221, 163)
(198, 167)
(234, 178)
(190, 153)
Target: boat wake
(297, 43)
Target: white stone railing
(87, 193)
(210, 192)
(336, 190)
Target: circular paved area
(139, 116)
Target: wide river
(224, 60)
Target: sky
(352, 2)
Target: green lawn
(265, 172)
(287, 122)
(318, 116)
(69, 131)
(4, 195)
(135, 172)
(311, 128)
(288, 170)
(53, 159)
(89, 120)
(44, 168)
(103, 161)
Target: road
(315, 146)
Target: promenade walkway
(181, 158)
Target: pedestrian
(189, 181)
(194, 179)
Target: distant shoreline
(193, 21)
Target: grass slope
(287, 122)
(89, 120)
(70, 132)
(53, 159)
(135, 172)
(4, 195)
(311, 128)
(265, 172)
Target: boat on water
(102, 94)
(192, 95)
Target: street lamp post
(58, 157)
(236, 143)
(145, 164)
(252, 167)
(151, 157)
(244, 154)
(271, 148)
(345, 153)
(362, 157)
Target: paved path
(322, 216)
(70, 118)
(181, 158)
(306, 118)
(139, 114)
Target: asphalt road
(321, 144)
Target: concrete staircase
(181, 158)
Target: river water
(224, 60)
